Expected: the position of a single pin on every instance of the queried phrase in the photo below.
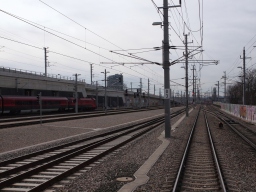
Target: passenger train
(16, 104)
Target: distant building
(115, 81)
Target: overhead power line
(28, 22)
(68, 56)
(79, 24)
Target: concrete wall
(245, 112)
(20, 80)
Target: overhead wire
(28, 22)
(79, 24)
(82, 60)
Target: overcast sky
(97, 27)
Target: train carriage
(60, 103)
(83, 104)
(87, 103)
(14, 104)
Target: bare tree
(235, 91)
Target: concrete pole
(97, 99)
(244, 76)
(186, 55)
(218, 91)
(91, 74)
(193, 84)
(105, 91)
(166, 67)
(225, 87)
(45, 61)
(76, 94)
(195, 90)
(154, 89)
(140, 92)
(148, 94)
(131, 86)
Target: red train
(15, 104)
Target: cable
(39, 58)
(21, 19)
(21, 62)
(21, 43)
(76, 58)
(79, 24)
(60, 38)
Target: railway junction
(109, 97)
(127, 151)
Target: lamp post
(105, 105)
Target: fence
(246, 112)
(27, 72)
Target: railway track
(40, 170)
(246, 133)
(18, 121)
(199, 169)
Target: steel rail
(41, 152)
(31, 155)
(3, 163)
(223, 186)
(253, 145)
(181, 167)
(74, 153)
(77, 152)
(55, 114)
(63, 175)
(241, 124)
(34, 120)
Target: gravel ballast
(122, 164)
(24, 136)
(237, 159)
